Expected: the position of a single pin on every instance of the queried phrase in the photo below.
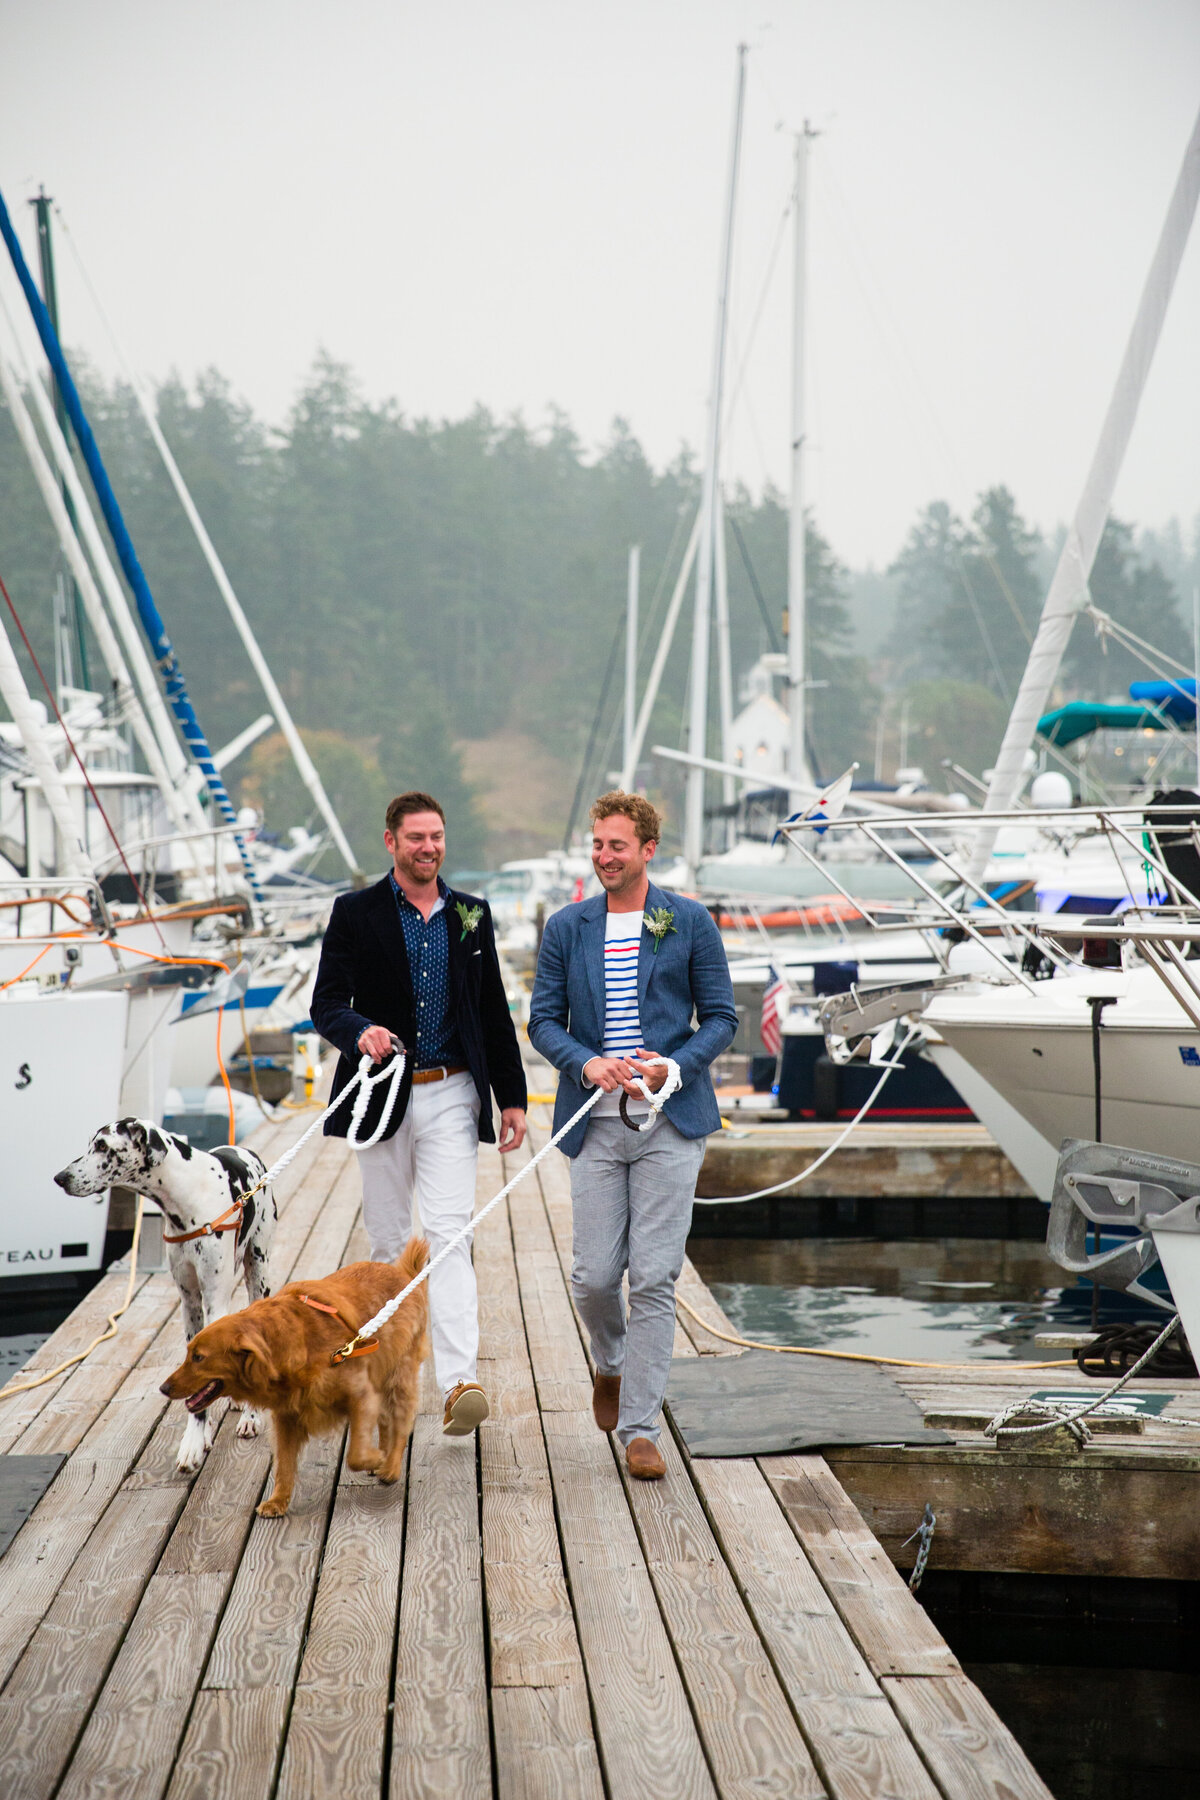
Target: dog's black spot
(182, 1145)
(174, 1218)
(156, 1141)
(247, 1222)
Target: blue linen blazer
(688, 974)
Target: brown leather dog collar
(230, 1220)
(334, 1313)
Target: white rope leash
(365, 1083)
(795, 1180)
(657, 1102)
(1054, 1413)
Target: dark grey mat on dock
(23, 1481)
(758, 1403)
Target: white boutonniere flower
(469, 917)
(658, 923)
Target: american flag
(772, 1037)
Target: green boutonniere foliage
(469, 917)
(658, 923)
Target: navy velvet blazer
(364, 979)
(687, 975)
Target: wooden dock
(901, 1160)
(513, 1619)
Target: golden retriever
(276, 1355)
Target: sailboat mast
(1068, 592)
(41, 205)
(797, 675)
(693, 835)
(631, 636)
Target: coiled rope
(1054, 1414)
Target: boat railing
(949, 904)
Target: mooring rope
(1055, 1413)
(23, 1387)
(811, 1169)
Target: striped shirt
(622, 1027)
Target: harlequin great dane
(213, 1235)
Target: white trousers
(432, 1156)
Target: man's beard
(418, 875)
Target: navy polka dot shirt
(428, 944)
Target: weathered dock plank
(541, 1720)
(753, 1743)
(648, 1740)
(440, 1728)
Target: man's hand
(376, 1042)
(607, 1072)
(652, 1073)
(512, 1129)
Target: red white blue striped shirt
(622, 1027)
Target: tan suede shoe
(644, 1460)
(466, 1407)
(606, 1401)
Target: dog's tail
(412, 1259)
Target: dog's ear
(157, 1146)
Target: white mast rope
(657, 1102)
(305, 766)
(811, 1169)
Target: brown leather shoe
(644, 1460)
(466, 1407)
(606, 1401)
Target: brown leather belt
(440, 1073)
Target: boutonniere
(469, 917)
(658, 923)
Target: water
(929, 1299)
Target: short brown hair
(646, 821)
(413, 802)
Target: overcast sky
(520, 204)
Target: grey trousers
(631, 1198)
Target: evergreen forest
(442, 603)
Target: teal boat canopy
(1080, 717)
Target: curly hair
(645, 819)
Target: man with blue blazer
(619, 979)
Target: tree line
(417, 583)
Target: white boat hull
(61, 1059)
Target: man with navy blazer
(412, 960)
(620, 978)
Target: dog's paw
(274, 1508)
(250, 1423)
(387, 1476)
(196, 1442)
(368, 1463)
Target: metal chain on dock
(924, 1531)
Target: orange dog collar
(341, 1355)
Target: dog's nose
(62, 1178)
(166, 1388)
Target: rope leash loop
(392, 1072)
(656, 1098)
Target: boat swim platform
(514, 1618)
